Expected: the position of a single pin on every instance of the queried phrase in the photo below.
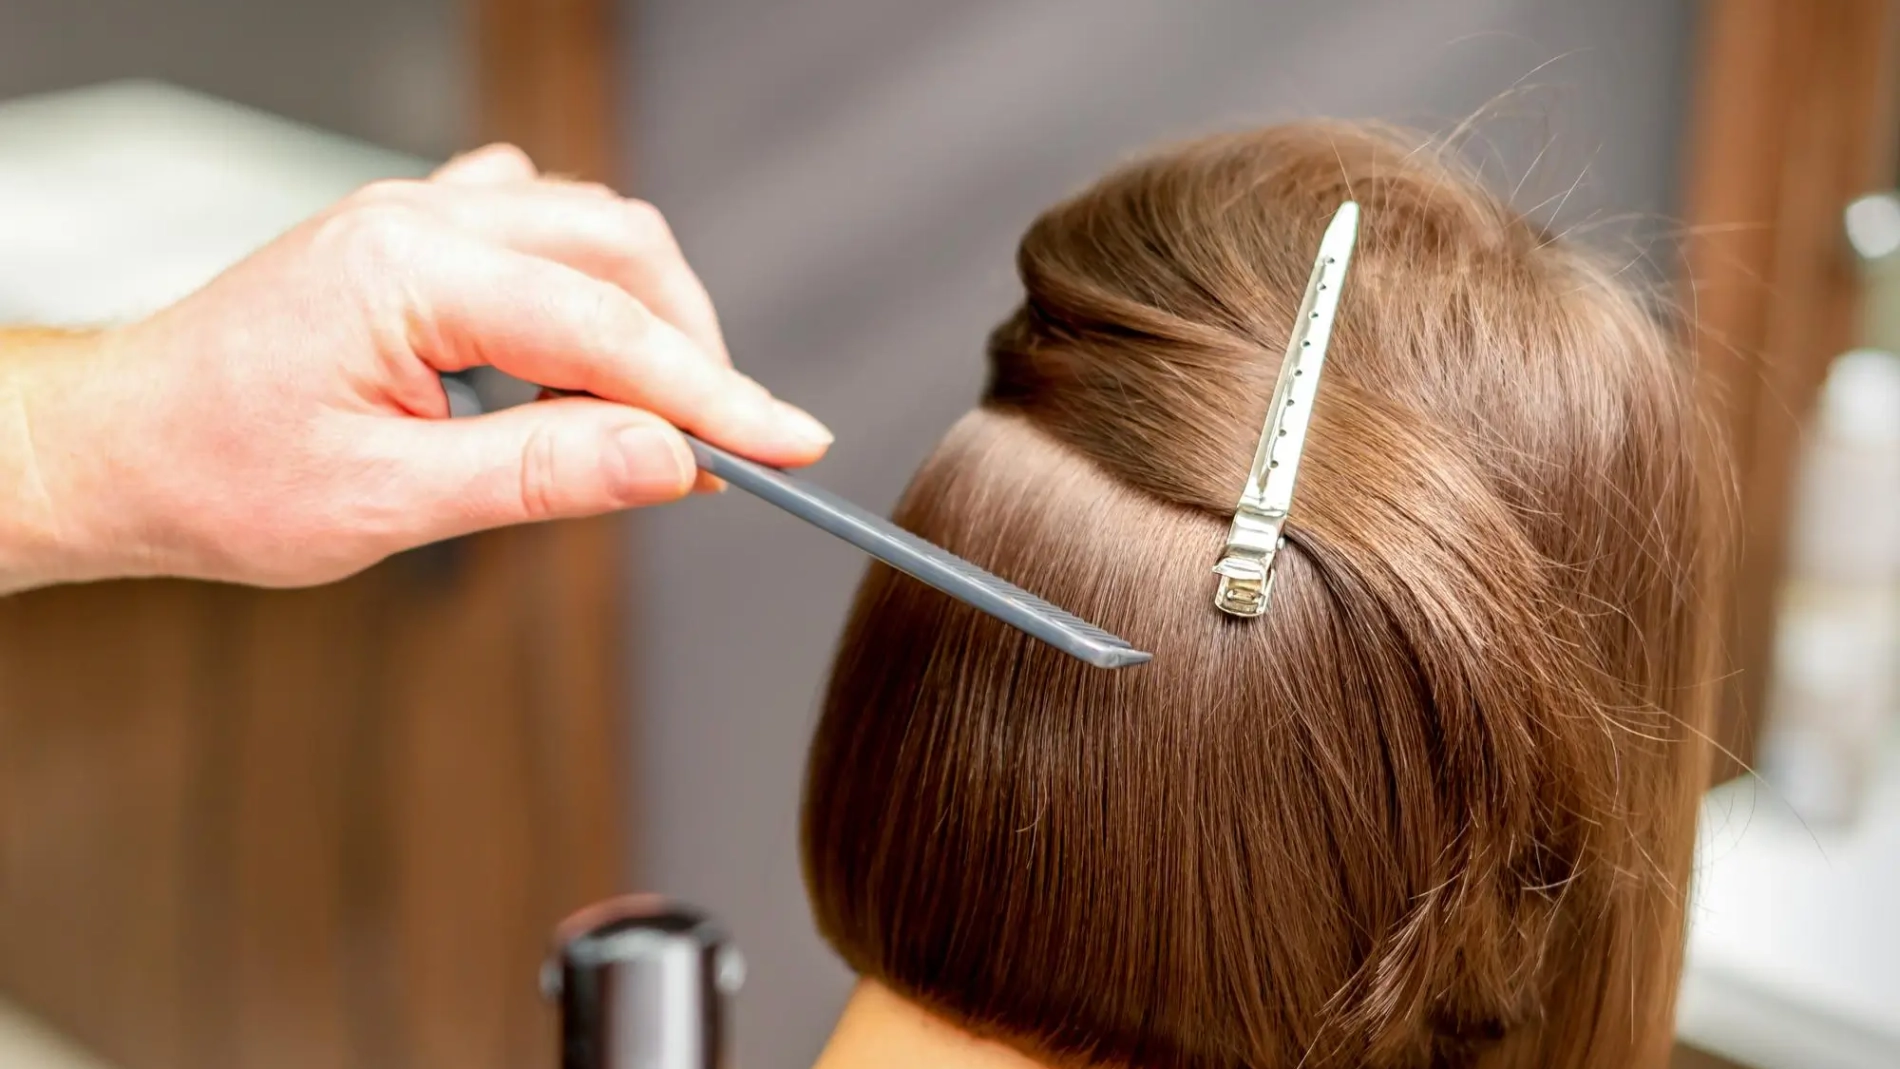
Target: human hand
(287, 424)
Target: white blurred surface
(117, 200)
(1794, 950)
(26, 1044)
(1834, 689)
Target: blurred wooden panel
(328, 829)
(464, 754)
(546, 79)
(318, 829)
(1794, 117)
(100, 746)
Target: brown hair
(1436, 807)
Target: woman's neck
(879, 1030)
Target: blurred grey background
(394, 72)
(850, 177)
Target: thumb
(551, 460)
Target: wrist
(49, 507)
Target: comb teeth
(921, 560)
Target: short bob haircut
(1436, 807)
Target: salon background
(850, 177)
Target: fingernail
(801, 424)
(653, 462)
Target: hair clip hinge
(1246, 566)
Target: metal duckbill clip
(1246, 566)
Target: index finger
(591, 229)
(550, 324)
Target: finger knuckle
(594, 190)
(631, 324)
(376, 235)
(540, 475)
(646, 225)
(612, 319)
(511, 152)
(388, 191)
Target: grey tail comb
(919, 559)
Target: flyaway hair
(1436, 807)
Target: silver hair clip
(1246, 567)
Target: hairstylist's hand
(286, 425)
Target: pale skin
(287, 426)
(878, 1030)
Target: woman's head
(1436, 806)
